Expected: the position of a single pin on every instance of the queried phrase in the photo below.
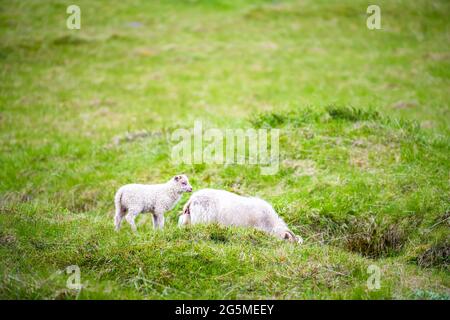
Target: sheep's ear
(177, 178)
(289, 236)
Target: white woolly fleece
(229, 209)
(132, 199)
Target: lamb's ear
(177, 178)
(289, 236)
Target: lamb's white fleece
(229, 209)
(132, 199)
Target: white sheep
(229, 209)
(132, 199)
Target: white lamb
(229, 209)
(132, 199)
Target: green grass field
(364, 147)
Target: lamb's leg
(158, 221)
(161, 221)
(155, 221)
(119, 210)
(132, 214)
(118, 217)
(117, 221)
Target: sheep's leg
(132, 214)
(158, 221)
(118, 217)
(117, 221)
(161, 221)
(155, 221)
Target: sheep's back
(210, 205)
(138, 195)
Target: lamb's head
(181, 183)
(288, 235)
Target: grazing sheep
(229, 209)
(132, 199)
